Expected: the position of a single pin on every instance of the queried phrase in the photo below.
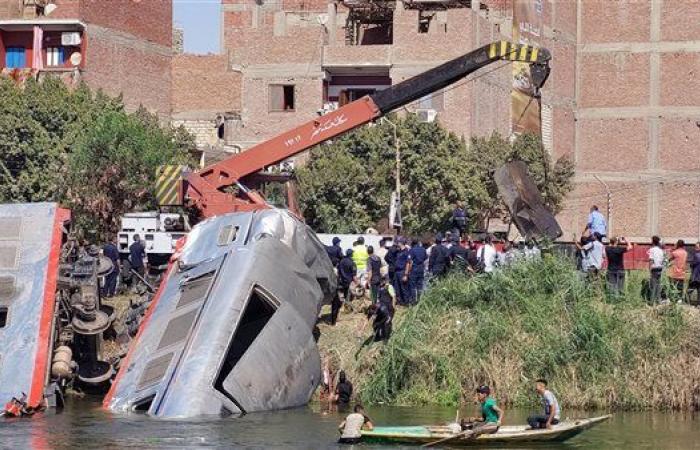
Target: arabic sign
(329, 124)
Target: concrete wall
(204, 89)
(122, 64)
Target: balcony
(49, 47)
(364, 59)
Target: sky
(201, 21)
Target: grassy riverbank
(534, 320)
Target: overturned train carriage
(231, 328)
(30, 245)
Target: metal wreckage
(230, 329)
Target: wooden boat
(517, 434)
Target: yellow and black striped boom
(168, 181)
(450, 72)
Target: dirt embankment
(535, 320)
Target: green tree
(82, 150)
(346, 185)
(111, 169)
(552, 178)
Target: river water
(83, 425)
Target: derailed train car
(31, 236)
(231, 329)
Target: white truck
(159, 232)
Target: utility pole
(396, 200)
(608, 215)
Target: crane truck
(230, 328)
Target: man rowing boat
(491, 414)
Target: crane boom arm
(204, 187)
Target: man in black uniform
(335, 253)
(383, 311)
(343, 391)
(439, 259)
(390, 259)
(347, 273)
(110, 251)
(459, 255)
(137, 252)
(459, 219)
(374, 275)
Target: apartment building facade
(620, 101)
(123, 47)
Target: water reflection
(83, 425)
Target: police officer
(137, 252)
(335, 253)
(439, 258)
(459, 255)
(374, 273)
(390, 259)
(110, 251)
(401, 283)
(383, 311)
(416, 260)
(459, 218)
(347, 273)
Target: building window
(55, 56)
(434, 101)
(424, 20)
(15, 58)
(350, 95)
(281, 97)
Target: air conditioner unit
(70, 39)
(426, 115)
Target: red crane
(204, 189)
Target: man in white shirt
(552, 410)
(487, 255)
(351, 428)
(657, 259)
(594, 253)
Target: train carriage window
(3, 316)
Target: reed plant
(536, 319)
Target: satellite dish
(48, 9)
(76, 58)
(322, 19)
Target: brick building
(622, 101)
(637, 125)
(123, 47)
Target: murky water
(83, 425)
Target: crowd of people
(397, 271)
(596, 253)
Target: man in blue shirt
(335, 253)
(416, 270)
(137, 252)
(110, 251)
(596, 222)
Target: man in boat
(491, 415)
(351, 428)
(552, 411)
